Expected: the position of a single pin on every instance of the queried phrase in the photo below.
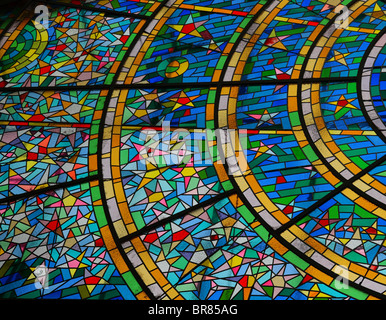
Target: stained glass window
(193, 150)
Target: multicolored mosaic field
(104, 121)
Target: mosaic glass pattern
(193, 150)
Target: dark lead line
(36, 192)
(107, 12)
(346, 184)
(184, 85)
(178, 215)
